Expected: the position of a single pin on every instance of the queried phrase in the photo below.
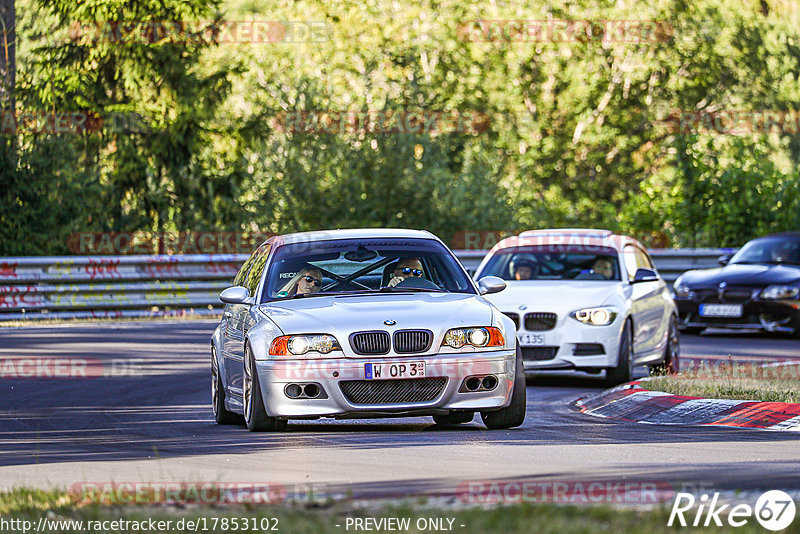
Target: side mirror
(724, 259)
(235, 295)
(491, 284)
(645, 275)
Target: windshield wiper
(317, 294)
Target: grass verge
(59, 509)
(732, 385)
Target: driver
(781, 252)
(406, 268)
(603, 267)
(524, 269)
(305, 281)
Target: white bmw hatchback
(585, 300)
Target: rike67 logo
(774, 510)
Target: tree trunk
(8, 49)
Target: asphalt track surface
(153, 423)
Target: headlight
(680, 289)
(299, 345)
(595, 316)
(780, 292)
(482, 336)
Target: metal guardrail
(133, 286)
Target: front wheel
(255, 416)
(623, 371)
(671, 363)
(513, 414)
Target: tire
(255, 416)
(453, 418)
(513, 414)
(221, 415)
(623, 371)
(672, 352)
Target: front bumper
(329, 374)
(571, 345)
(768, 316)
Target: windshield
(770, 250)
(354, 266)
(554, 263)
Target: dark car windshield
(363, 266)
(775, 249)
(555, 262)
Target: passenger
(406, 268)
(305, 281)
(604, 268)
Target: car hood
(742, 274)
(556, 296)
(342, 315)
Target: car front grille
(514, 317)
(737, 294)
(538, 354)
(370, 342)
(412, 341)
(540, 321)
(392, 391)
(727, 295)
(588, 349)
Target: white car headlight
(779, 292)
(299, 345)
(601, 316)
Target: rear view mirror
(235, 295)
(724, 259)
(491, 284)
(645, 275)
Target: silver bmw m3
(363, 323)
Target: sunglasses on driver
(406, 271)
(310, 279)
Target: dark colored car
(757, 288)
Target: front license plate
(531, 339)
(386, 371)
(721, 310)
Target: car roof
(352, 233)
(591, 237)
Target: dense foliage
(580, 130)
